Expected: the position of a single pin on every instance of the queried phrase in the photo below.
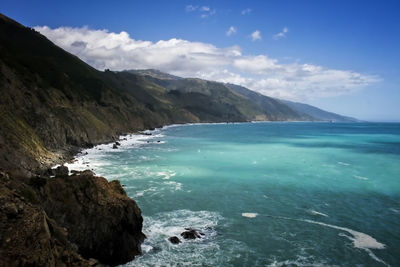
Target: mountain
(155, 74)
(274, 109)
(262, 107)
(318, 114)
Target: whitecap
(360, 177)
(166, 174)
(175, 185)
(91, 158)
(314, 212)
(395, 210)
(343, 163)
(249, 214)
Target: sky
(342, 56)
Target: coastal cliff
(53, 104)
(78, 220)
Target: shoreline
(74, 152)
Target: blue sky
(342, 56)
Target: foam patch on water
(314, 212)
(343, 163)
(249, 214)
(360, 240)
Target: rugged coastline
(52, 106)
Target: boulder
(191, 233)
(174, 240)
(114, 146)
(61, 171)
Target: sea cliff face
(77, 220)
(101, 220)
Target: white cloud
(231, 30)
(205, 11)
(118, 51)
(256, 35)
(246, 11)
(190, 8)
(281, 34)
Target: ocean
(263, 194)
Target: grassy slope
(53, 101)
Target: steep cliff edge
(28, 237)
(68, 220)
(101, 220)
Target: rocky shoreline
(74, 220)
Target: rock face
(101, 220)
(28, 237)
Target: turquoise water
(264, 194)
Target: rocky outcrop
(101, 220)
(28, 237)
(174, 240)
(78, 220)
(191, 234)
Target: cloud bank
(118, 51)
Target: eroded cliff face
(101, 220)
(28, 237)
(79, 220)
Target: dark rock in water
(117, 143)
(61, 171)
(190, 234)
(174, 240)
(158, 141)
(101, 220)
(114, 146)
(89, 145)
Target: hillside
(317, 113)
(52, 101)
(274, 109)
